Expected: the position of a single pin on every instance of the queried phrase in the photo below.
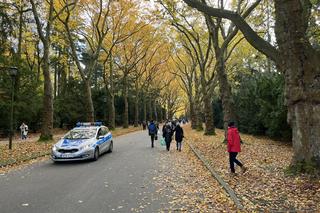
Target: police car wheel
(110, 147)
(96, 154)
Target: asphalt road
(120, 181)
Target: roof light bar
(87, 124)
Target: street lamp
(13, 71)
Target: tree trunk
(197, 108)
(47, 116)
(150, 115)
(208, 109)
(169, 111)
(38, 60)
(126, 105)
(155, 110)
(192, 113)
(225, 93)
(299, 61)
(165, 113)
(160, 117)
(136, 106)
(144, 108)
(208, 113)
(20, 31)
(55, 82)
(112, 115)
(89, 102)
(62, 81)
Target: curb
(225, 186)
(13, 161)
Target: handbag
(162, 142)
(156, 137)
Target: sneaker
(232, 174)
(243, 169)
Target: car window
(105, 130)
(80, 134)
(100, 132)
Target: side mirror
(100, 137)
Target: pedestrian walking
(144, 125)
(167, 133)
(234, 148)
(152, 128)
(24, 131)
(179, 136)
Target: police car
(86, 141)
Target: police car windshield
(80, 134)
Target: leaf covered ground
(265, 186)
(188, 185)
(28, 151)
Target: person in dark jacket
(152, 132)
(167, 133)
(234, 148)
(179, 136)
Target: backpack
(168, 130)
(152, 128)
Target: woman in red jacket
(234, 147)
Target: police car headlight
(86, 147)
(54, 148)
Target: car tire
(96, 154)
(110, 147)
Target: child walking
(234, 147)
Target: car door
(102, 139)
(108, 137)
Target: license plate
(67, 155)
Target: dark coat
(167, 133)
(179, 133)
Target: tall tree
(94, 33)
(222, 38)
(197, 40)
(186, 71)
(128, 55)
(297, 59)
(124, 24)
(44, 32)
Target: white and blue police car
(86, 141)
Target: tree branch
(252, 37)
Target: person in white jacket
(24, 131)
